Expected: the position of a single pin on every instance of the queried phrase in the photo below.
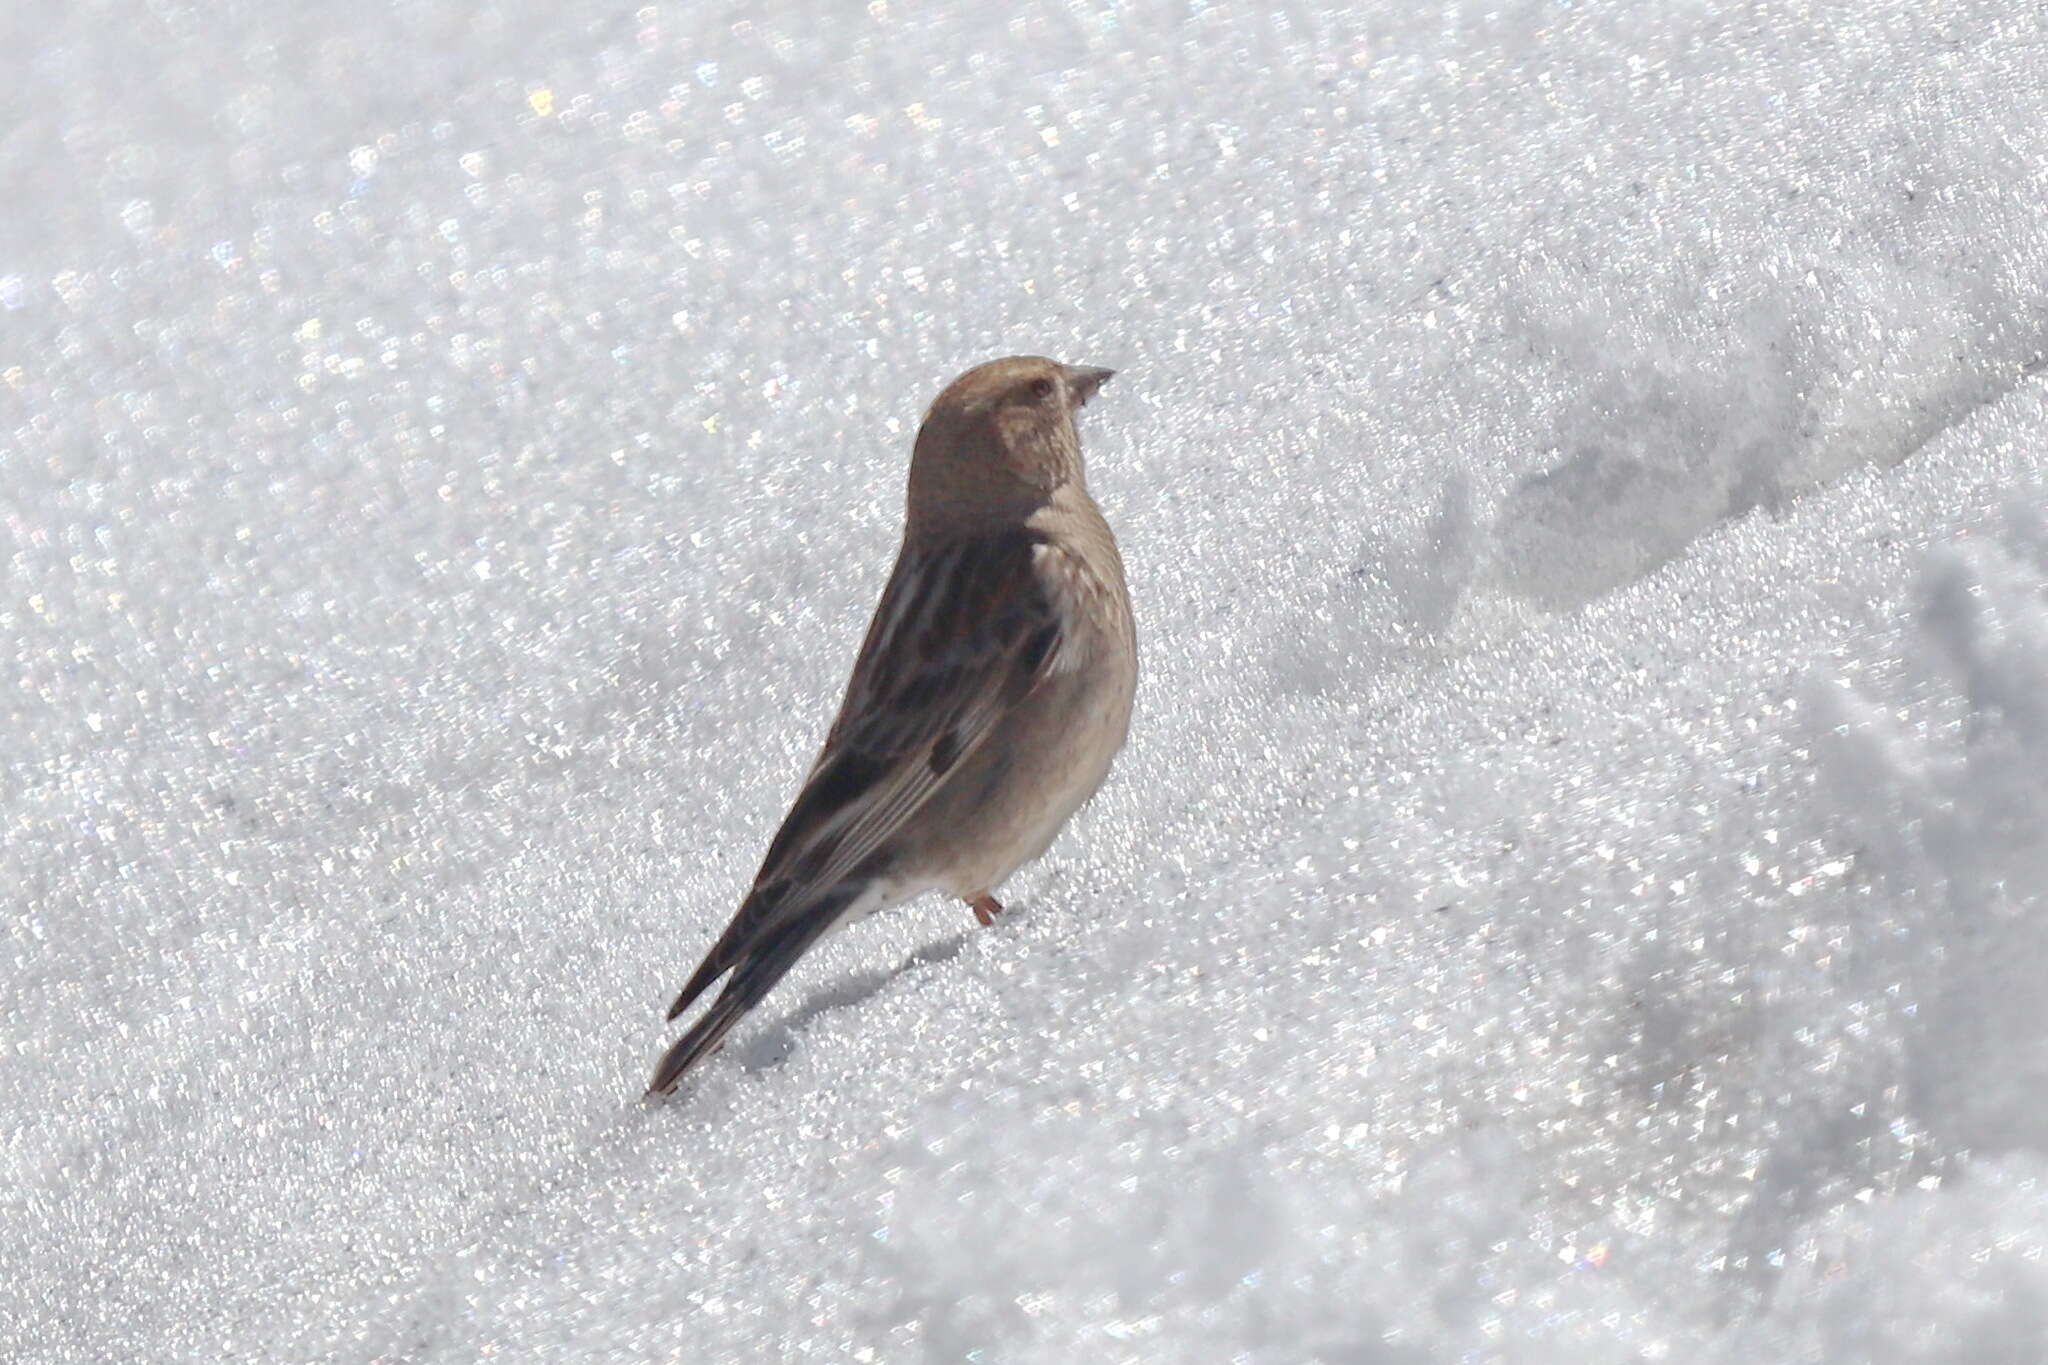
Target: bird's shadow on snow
(772, 1045)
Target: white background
(1575, 891)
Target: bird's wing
(965, 630)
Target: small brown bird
(991, 693)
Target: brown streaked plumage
(990, 695)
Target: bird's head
(1000, 440)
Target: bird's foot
(985, 909)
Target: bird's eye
(1041, 389)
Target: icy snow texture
(1575, 892)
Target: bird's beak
(1084, 380)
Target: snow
(1576, 890)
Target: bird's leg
(985, 908)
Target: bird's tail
(762, 963)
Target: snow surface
(1577, 891)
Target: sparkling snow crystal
(1577, 890)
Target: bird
(991, 693)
